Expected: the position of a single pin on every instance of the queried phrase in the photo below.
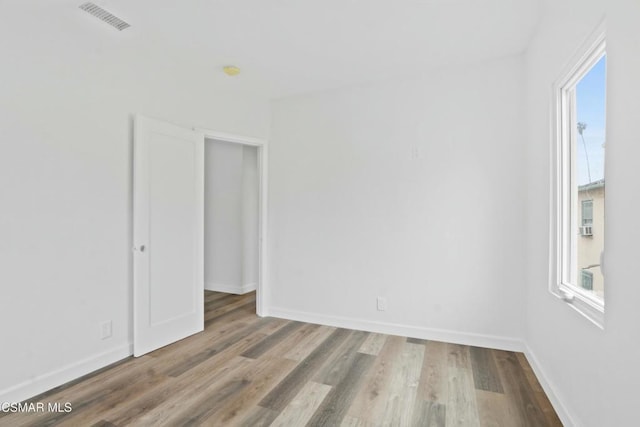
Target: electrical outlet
(382, 304)
(106, 329)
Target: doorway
(231, 217)
(169, 229)
(253, 148)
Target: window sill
(591, 310)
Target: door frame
(261, 145)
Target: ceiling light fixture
(231, 70)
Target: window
(586, 229)
(579, 198)
(587, 280)
(587, 213)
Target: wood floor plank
(518, 390)
(297, 374)
(155, 404)
(284, 392)
(271, 340)
(458, 356)
(207, 406)
(403, 387)
(258, 416)
(302, 407)
(485, 372)
(369, 403)
(102, 390)
(494, 410)
(292, 340)
(163, 400)
(350, 421)
(373, 344)
(429, 414)
(213, 295)
(173, 360)
(89, 412)
(338, 364)
(300, 350)
(434, 382)
(335, 405)
(543, 402)
(230, 313)
(195, 343)
(210, 297)
(226, 300)
(230, 306)
(86, 381)
(528, 371)
(168, 397)
(206, 398)
(461, 403)
(236, 320)
(263, 376)
(195, 359)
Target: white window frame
(564, 275)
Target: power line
(581, 127)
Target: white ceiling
(283, 47)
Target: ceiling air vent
(105, 16)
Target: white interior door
(168, 234)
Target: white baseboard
(46, 382)
(231, 289)
(561, 410)
(478, 340)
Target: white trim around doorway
(261, 145)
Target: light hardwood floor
(247, 371)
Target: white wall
(223, 215)
(352, 216)
(592, 374)
(231, 217)
(65, 197)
